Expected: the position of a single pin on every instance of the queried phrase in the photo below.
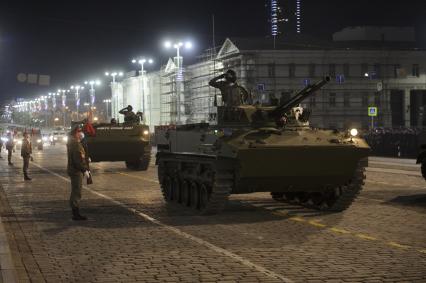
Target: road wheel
(194, 195)
(185, 193)
(167, 188)
(204, 196)
(176, 190)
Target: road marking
(396, 245)
(298, 219)
(339, 230)
(366, 237)
(181, 233)
(316, 224)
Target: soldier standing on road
(232, 93)
(10, 144)
(77, 168)
(26, 151)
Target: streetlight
(113, 75)
(106, 101)
(77, 88)
(92, 89)
(142, 62)
(179, 76)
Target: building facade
(393, 79)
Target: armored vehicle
(128, 142)
(262, 149)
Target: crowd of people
(395, 142)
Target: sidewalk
(8, 273)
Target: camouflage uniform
(9, 146)
(26, 151)
(77, 165)
(232, 93)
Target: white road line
(183, 234)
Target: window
(332, 99)
(292, 70)
(271, 70)
(364, 69)
(364, 99)
(415, 70)
(312, 70)
(346, 70)
(332, 70)
(347, 100)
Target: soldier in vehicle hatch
(129, 115)
(232, 93)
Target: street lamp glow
(113, 75)
(188, 45)
(56, 119)
(167, 44)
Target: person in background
(10, 144)
(26, 151)
(1, 144)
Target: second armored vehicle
(261, 149)
(121, 142)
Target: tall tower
(285, 17)
(298, 15)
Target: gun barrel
(299, 97)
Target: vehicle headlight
(39, 141)
(45, 138)
(145, 132)
(65, 139)
(354, 132)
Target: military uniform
(77, 165)
(9, 146)
(26, 151)
(232, 93)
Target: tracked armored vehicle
(261, 149)
(128, 142)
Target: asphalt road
(132, 235)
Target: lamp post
(77, 88)
(106, 101)
(179, 75)
(64, 103)
(92, 90)
(114, 95)
(142, 62)
(113, 75)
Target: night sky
(76, 40)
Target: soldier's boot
(26, 177)
(76, 215)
